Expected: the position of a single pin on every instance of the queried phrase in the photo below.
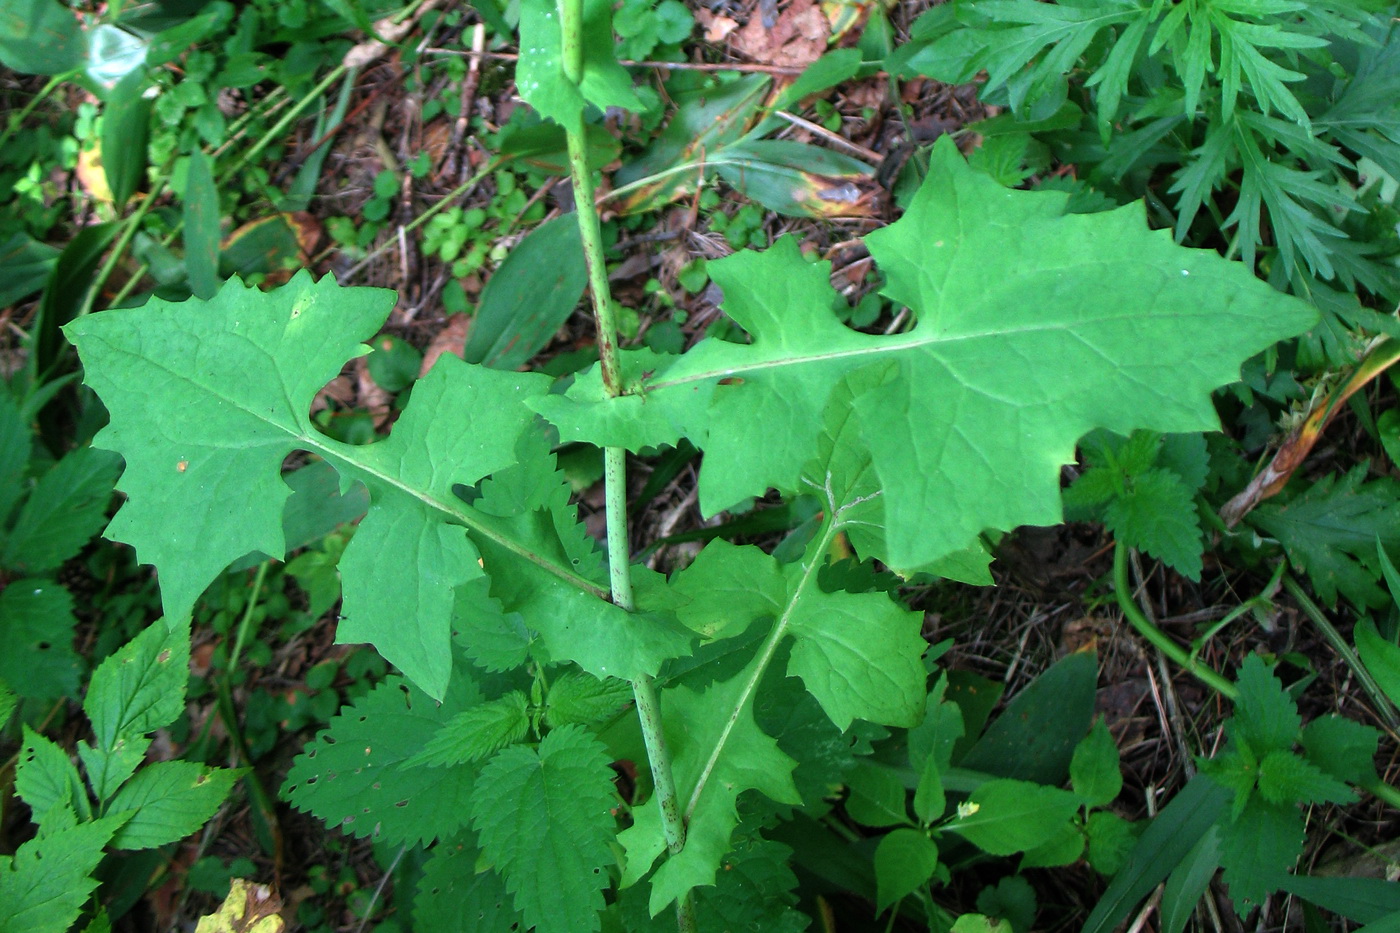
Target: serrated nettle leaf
(1266, 717)
(540, 75)
(476, 733)
(1111, 839)
(718, 752)
(1003, 817)
(1093, 322)
(1288, 778)
(545, 821)
(354, 774)
(1094, 772)
(1256, 848)
(208, 398)
(452, 890)
(904, 862)
(1342, 747)
(581, 698)
(167, 800)
(140, 688)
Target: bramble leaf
(45, 778)
(47, 882)
(36, 628)
(354, 775)
(66, 508)
(544, 821)
(167, 801)
(140, 688)
(1093, 322)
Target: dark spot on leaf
(401, 803)
(163, 656)
(731, 381)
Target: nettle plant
(532, 660)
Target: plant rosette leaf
(1093, 321)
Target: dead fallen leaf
(249, 908)
(450, 339)
(798, 36)
(717, 27)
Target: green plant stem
(16, 121)
(615, 458)
(331, 77)
(133, 224)
(1384, 707)
(1163, 643)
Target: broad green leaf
(40, 37)
(858, 653)
(1093, 771)
(1005, 816)
(904, 862)
(581, 698)
(126, 125)
(476, 733)
(25, 264)
(1265, 716)
(1164, 844)
(1257, 847)
(36, 628)
(453, 891)
(1330, 531)
(1188, 883)
(713, 738)
(208, 398)
(1344, 748)
(1111, 840)
(66, 508)
(876, 796)
(545, 823)
(1381, 657)
(45, 778)
(1035, 737)
(140, 688)
(978, 923)
(1064, 847)
(168, 800)
(202, 230)
(929, 800)
(353, 775)
(530, 296)
(1092, 322)
(49, 879)
(540, 73)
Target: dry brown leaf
(717, 27)
(798, 37)
(451, 339)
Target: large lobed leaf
(207, 400)
(1034, 328)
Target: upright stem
(615, 458)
